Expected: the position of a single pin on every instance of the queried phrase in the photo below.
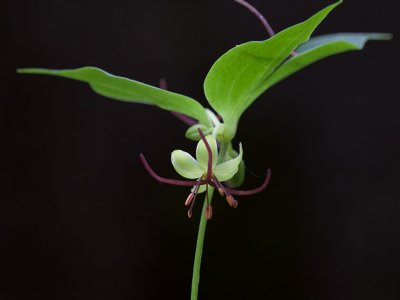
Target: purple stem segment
(185, 119)
(260, 17)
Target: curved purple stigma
(209, 152)
(167, 180)
(253, 191)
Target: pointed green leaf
(185, 165)
(232, 80)
(124, 89)
(318, 48)
(228, 169)
(357, 39)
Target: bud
(193, 134)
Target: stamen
(209, 166)
(208, 200)
(254, 191)
(209, 212)
(167, 180)
(232, 201)
(194, 193)
(190, 211)
(189, 199)
(219, 186)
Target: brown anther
(221, 191)
(189, 213)
(235, 204)
(231, 201)
(209, 212)
(189, 199)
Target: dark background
(81, 219)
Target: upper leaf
(231, 82)
(124, 89)
(316, 49)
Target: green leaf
(231, 82)
(318, 48)
(124, 89)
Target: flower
(207, 171)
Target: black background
(81, 219)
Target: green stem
(223, 151)
(199, 247)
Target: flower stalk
(199, 248)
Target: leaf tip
(386, 36)
(337, 3)
(29, 71)
(22, 70)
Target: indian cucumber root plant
(232, 84)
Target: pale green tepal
(189, 167)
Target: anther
(231, 201)
(189, 199)
(235, 204)
(209, 212)
(219, 186)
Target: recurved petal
(202, 154)
(228, 169)
(185, 165)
